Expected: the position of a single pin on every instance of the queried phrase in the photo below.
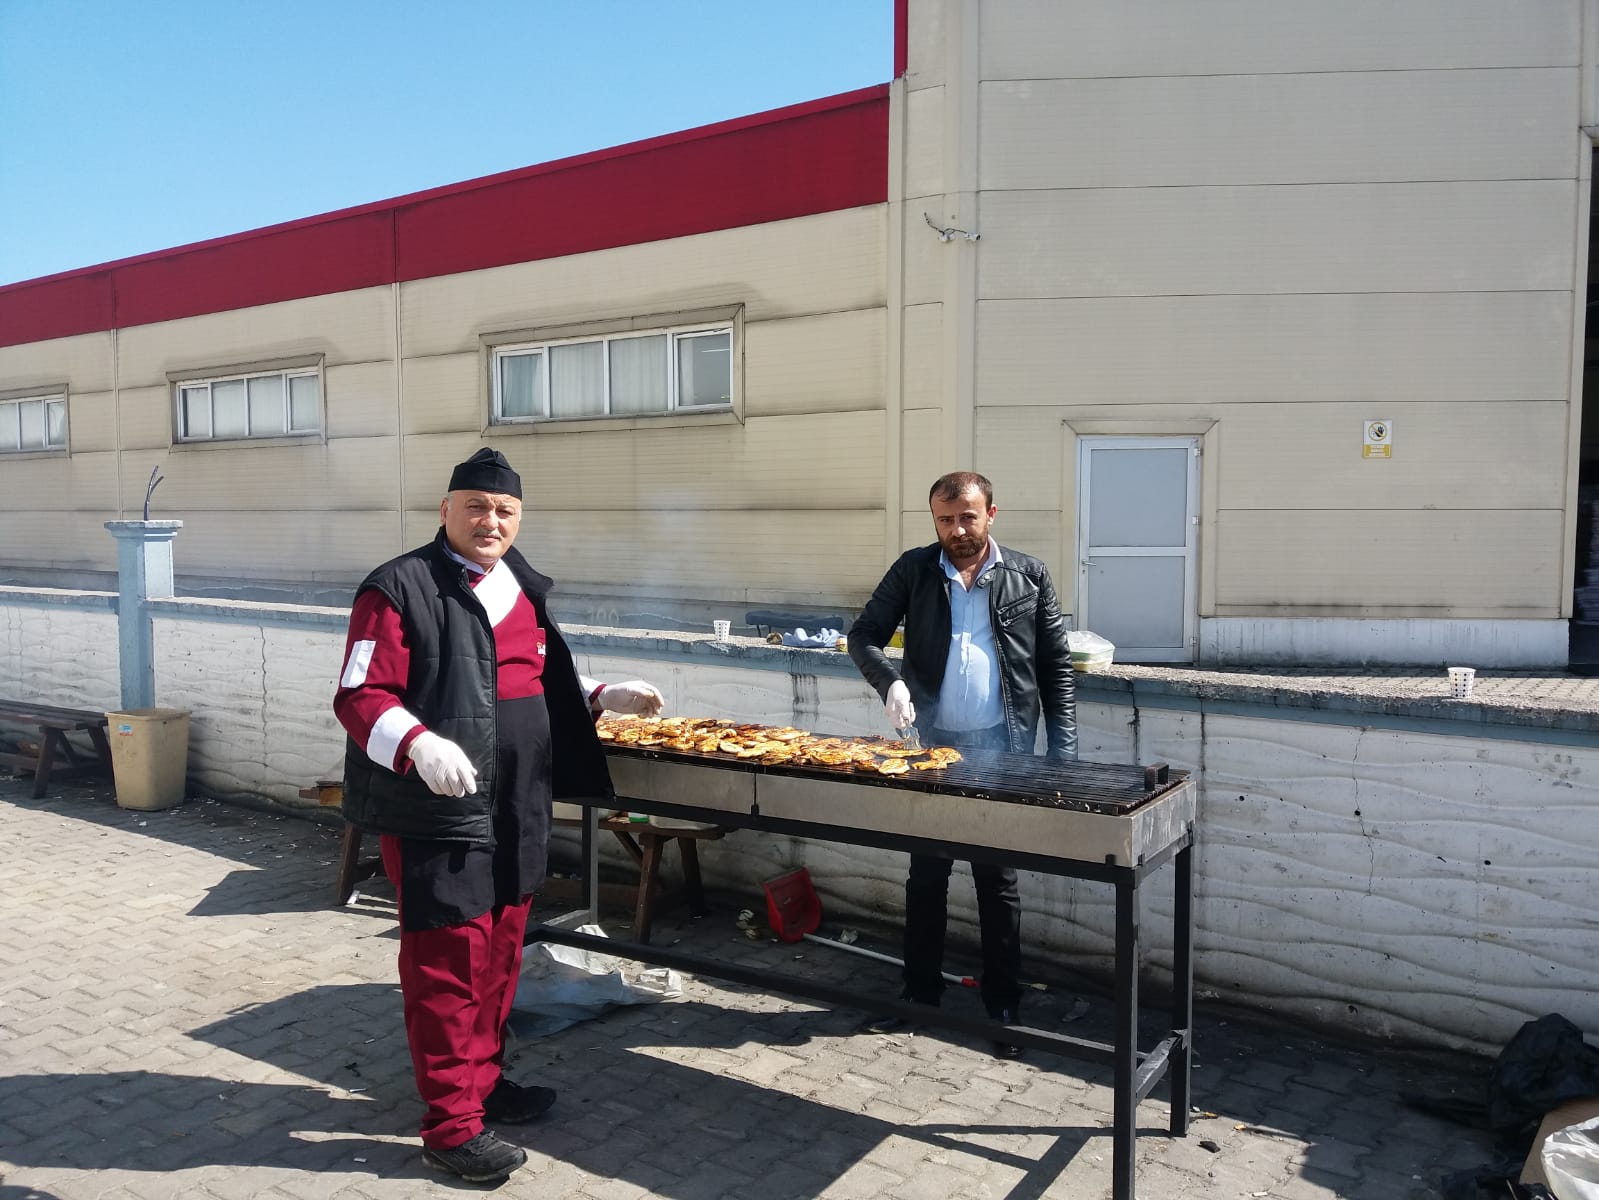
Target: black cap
(486, 471)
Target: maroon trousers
(463, 913)
(458, 982)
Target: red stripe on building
(823, 160)
(57, 306)
(276, 264)
(809, 158)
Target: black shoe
(512, 1103)
(478, 1160)
(883, 1024)
(1006, 1049)
(889, 1024)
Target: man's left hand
(634, 696)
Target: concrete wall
(59, 647)
(1265, 217)
(1410, 877)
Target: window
(637, 373)
(33, 423)
(260, 404)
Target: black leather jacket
(1035, 670)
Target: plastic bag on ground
(1570, 1159)
(563, 985)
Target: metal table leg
(1135, 1073)
(1124, 1121)
(1182, 982)
(591, 865)
(588, 897)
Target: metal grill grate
(982, 774)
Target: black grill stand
(1135, 1072)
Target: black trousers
(999, 911)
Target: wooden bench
(645, 845)
(56, 756)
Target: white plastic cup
(1460, 680)
(724, 630)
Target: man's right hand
(443, 765)
(901, 712)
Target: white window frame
(11, 410)
(183, 383)
(676, 335)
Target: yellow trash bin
(149, 756)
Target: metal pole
(591, 864)
(962, 980)
(1182, 982)
(1124, 1120)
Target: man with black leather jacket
(985, 662)
(466, 716)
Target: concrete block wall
(1356, 870)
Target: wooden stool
(353, 869)
(644, 843)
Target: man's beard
(966, 547)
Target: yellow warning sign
(1379, 439)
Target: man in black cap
(466, 715)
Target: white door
(1137, 536)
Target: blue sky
(133, 125)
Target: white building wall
(1270, 217)
(781, 502)
(35, 492)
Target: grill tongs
(908, 735)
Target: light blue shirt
(969, 698)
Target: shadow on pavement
(286, 864)
(647, 1096)
(651, 1096)
(255, 890)
(150, 1121)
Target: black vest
(451, 690)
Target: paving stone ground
(183, 1015)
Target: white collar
(495, 591)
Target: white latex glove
(901, 712)
(633, 696)
(443, 765)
